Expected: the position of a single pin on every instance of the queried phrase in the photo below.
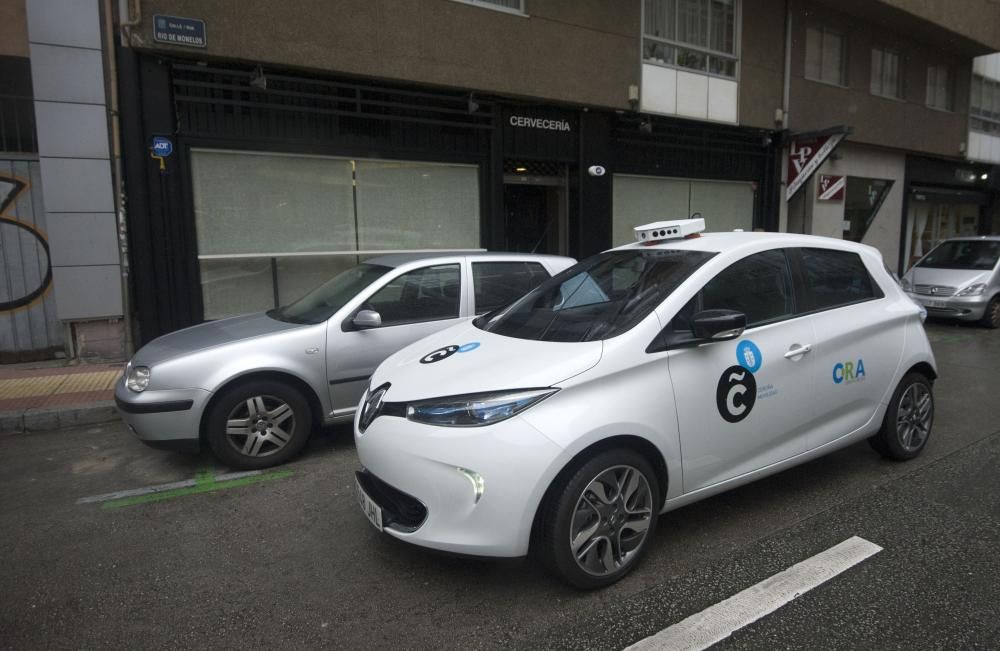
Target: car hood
(209, 335)
(957, 278)
(480, 361)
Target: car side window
(501, 283)
(427, 294)
(835, 278)
(759, 285)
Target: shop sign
(175, 30)
(805, 157)
(830, 187)
(525, 122)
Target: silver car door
(412, 305)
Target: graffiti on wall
(29, 326)
(25, 293)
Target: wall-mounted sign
(175, 30)
(596, 170)
(162, 146)
(830, 188)
(539, 123)
(805, 156)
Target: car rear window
(835, 278)
(501, 283)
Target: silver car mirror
(366, 319)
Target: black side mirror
(718, 325)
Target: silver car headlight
(906, 284)
(972, 290)
(475, 409)
(137, 378)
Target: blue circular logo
(748, 356)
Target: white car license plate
(371, 510)
(929, 303)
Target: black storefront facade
(234, 217)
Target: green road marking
(204, 483)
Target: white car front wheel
(596, 521)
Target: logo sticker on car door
(736, 393)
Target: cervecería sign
(539, 123)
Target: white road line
(718, 622)
(160, 488)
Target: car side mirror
(718, 325)
(367, 319)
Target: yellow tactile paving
(46, 385)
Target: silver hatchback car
(960, 279)
(252, 386)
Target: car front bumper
(165, 419)
(966, 308)
(432, 466)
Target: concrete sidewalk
(50, 397)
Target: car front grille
(934, 290)
(400, 511)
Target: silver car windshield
(321, 303)
(599, 298)
(963, 254)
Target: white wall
(827, 217)
(670, 91)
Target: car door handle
(798, 351)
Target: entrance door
(535, 209)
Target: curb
(39, 419)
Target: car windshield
(321, 303)
(599, 298)
(963, 254)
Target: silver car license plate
(371, 510)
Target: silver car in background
(253, 386)
(960, 279)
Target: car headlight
(137, 378)
(972, 290)
(906, 284)
(475, 409)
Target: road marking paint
(203, 483)
(716, 623)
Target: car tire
(908, 421)
(991, 317)
(587, 509)
(258, 424)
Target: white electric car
(637, 381)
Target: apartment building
(267, 146)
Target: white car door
(412, 306)
(743, 404)
(858, 343)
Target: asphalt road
(291, 563)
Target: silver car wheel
(260, 426)
(914, 416)
(611, 520)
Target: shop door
(535, 209)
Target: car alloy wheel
(991, 319)
(914, 415)
(908, 421)
(260, 426)
(595, 520)
(611, 520)
(258, 423)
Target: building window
(887, 81)
(271, 227)
(694, 34)
(826, 56)
(939, 87)
(512, 6)
(985, 105)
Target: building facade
(896, 78)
